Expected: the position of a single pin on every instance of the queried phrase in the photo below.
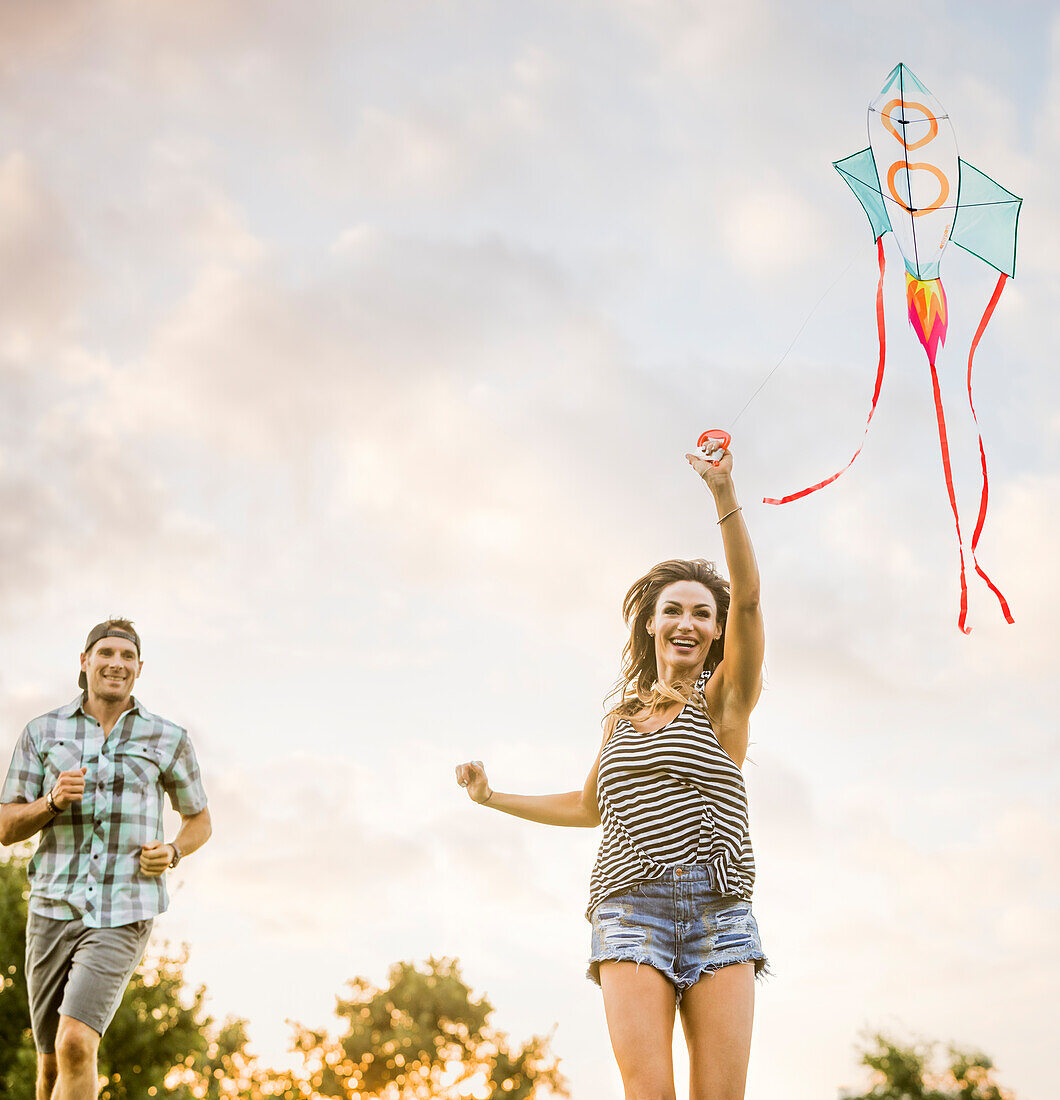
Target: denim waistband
(689, 872)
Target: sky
(352, 350)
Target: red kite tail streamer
(875, 393)
(944, 444)
(1002, 279)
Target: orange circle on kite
(944, 185)
(885, 114)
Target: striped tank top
(674, 796)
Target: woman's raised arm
(740, 673)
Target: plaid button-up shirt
(87, 863)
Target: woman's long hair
(639, 686)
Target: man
(89, 778)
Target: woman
(670, 892)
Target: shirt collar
(77, 705)
(71, 708)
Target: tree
(907, 1073)
(424, 1036)
(17, 1057)
(162, 1042)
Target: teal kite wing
(987, 214)
(986, 218)
(859, 172)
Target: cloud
(768, 231)
(1025, 528)
(77, 497)
(700, 39)
(31, 34)
(41, 273)
(457, 391)
(313, 841)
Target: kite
(912, 183)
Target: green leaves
(913, 1072)
(17, 1056)
(422, 1036)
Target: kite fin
(859, 172)
(987, 217)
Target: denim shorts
(677, 924)
(79, 972)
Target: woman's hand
(715, 468)
(472, 775)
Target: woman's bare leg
(716, 1014)
(640, 1005)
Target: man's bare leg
(76, 1047)
(47, 1072)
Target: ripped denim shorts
(678, 925)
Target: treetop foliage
(423, 1036)
(916, 1072)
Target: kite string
(882, 334)
(809, 316)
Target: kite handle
(715, 435)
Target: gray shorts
(80, 972)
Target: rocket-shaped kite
(911, 182)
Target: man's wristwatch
(178, 855)
(49, 798)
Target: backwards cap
(105, 630)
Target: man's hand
(69, 788)
(155, 857)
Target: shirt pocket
(140, 767)
(60, 755)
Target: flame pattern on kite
(926, 200)
(927, 312)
